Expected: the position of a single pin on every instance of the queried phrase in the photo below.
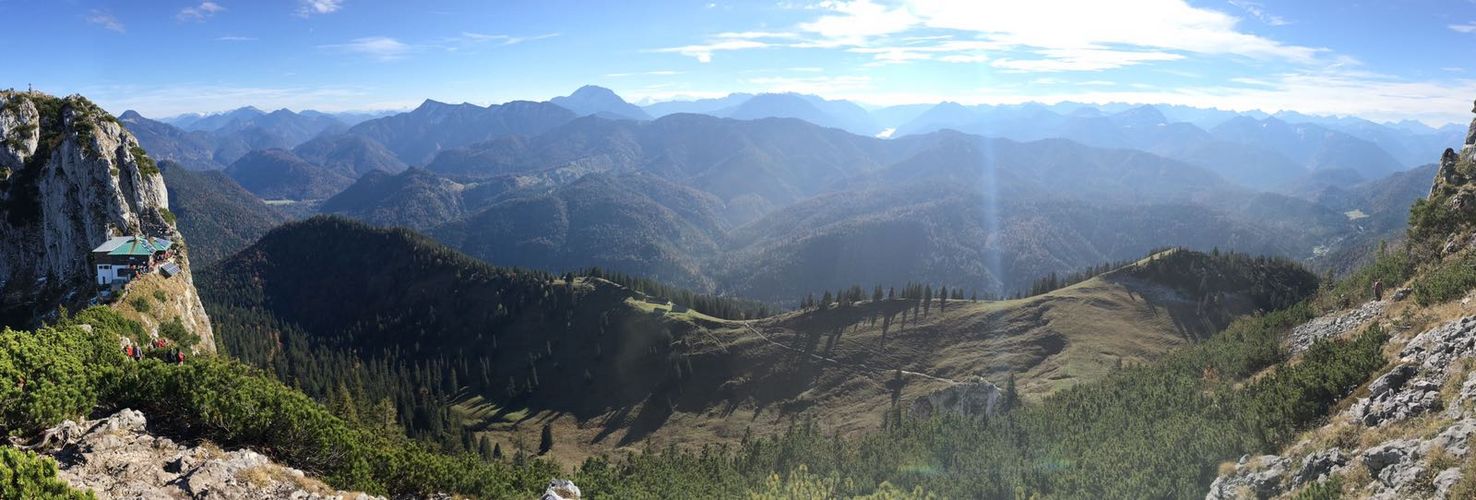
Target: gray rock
(1264, 478)
(1402, 293)
(975, 397)
(1332, 325)
(1455, 439)
(561, 489)
(1319, 465)
(1380, 457)
(1391, 381)
(1445, 480)
(116, 458)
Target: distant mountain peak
(596, 100)
(130, 115)
(595, 90)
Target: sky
(1384, 60)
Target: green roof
(141, 247)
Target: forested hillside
(415, 328)
(219, 215)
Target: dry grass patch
(1422, 427)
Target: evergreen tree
(1011, 395)
(546, 439)
(488, 450)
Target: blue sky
(1385, 60)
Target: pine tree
(487, 450)
(1011, 395)
(546, 439)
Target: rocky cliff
(70, 178)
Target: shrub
(160, 296)
(24, 474)
(141, 304)
(49, 375)
(1447, 281)
(146, 165)
(175, 331)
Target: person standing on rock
(1378, 289)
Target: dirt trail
(837, 362)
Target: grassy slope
(732, 378)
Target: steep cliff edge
(71, 177)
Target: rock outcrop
(70, 178)
(1333, 325)
(1469, 150)
(561, 489)
(116, 457)
(970, 399)
(1399, 467)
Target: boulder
(1446, 480)
(1379, 457)
(561, 489)
(1262, 477)
(1402, 293)
(1317, 466)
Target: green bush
(45, 377)
(175, 331)
(1446, 281)
(146, 165)
(141, 304)
(1331, 489)
(160, 296)
(30, 476)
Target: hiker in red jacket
(179, 355)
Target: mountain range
(734, 195)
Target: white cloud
(854, 22)
(1021, 36)
(703, 52)
(106, 20)
(1464, 28)
(1258, 11)
(503, 39)
(234, 38)
(827, 85)
(307, 8)
(199, 12)
(1154, 25)
(1083, 59)
(381, 48)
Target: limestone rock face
(970, 399)
(116, 458)
(1470, 147)
(70, 178)
(18, 135)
